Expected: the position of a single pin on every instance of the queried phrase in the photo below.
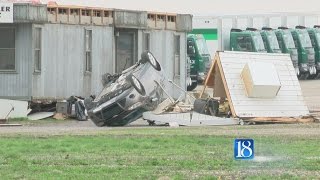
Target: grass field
(157, 153)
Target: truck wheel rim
(136, 82)
(152, 59)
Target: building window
(88, 43)
(146, 42)
(7, 49)
(177, 55)
(37, 49)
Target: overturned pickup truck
(127, 95)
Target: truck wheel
(200, 105)
(137, 85)
(148, 57)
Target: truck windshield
(257, 39)
(202, 46)
(273, 41)
(305, 39)
(288, 40)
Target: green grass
(155, 153)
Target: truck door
(191, 51)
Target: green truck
(270, 40)
(306, 54)
(267, 40)
(286, 44)
(314, 34)
(248, 40)
(199, 57)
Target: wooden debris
(306, 119)
(10, 125)
(59, 116)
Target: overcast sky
(204, 6)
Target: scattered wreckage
(128, 94)
(203, 112)
(241, 94)
(139, 92)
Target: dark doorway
(126, 49)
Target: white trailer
(216, 28)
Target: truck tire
(206, 106)
(149, 57)
(199, 105)
(137, 85)
(192, 86)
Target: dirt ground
(74, 127)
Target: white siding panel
(224, 33)
(310, 21)
(293, 21)
(258, 22)
(243, 23)
(275, 22)
(289, 101)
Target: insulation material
(40, 115)
(260, 80)
(289, 101)
(13, 109)
(189, 119)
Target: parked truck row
(266, 33)
(300, 43)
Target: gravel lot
(73, 127)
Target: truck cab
(287, 46)
(270, 40)
(314, 34)
(200, 60)
(306, 55)
(248, 40)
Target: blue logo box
(243, 148)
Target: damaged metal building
(53, 52)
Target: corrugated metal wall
(162, 46)
(16, 85)
(63, 58)
(63, 54)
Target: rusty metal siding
(16, 85)
(130, 19)
(28, 13)
(63, 58)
